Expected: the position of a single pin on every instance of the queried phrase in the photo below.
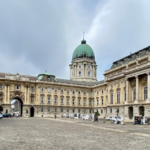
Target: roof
(83, 50)
(131, 57)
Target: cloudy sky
(39, 35)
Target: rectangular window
(78, 110)
(134, 94)
(1, 86)
(90, 102)
(145, 92)
(61, 109)
(73, 102)
(55, 100)
(48, 109)
(67, 109)
(97, 102)
(101, 111)
(111, 98)
(42, 109)
(49, 100)
(55, 109)
(84, 101)
(73, 110)
(67, 100)
(118, 96)
(67, 91)
(124, 95)
(62, 100)
(102, 101)
(42, 89)
(88, 73)
(110, 110)
(42, 99)
(78, 101)
(49, 90)
(55, 90)
(62, 91)
(90, 111)
(88, 66)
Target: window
(55, 100)
(67, 91)
(88, 73)
(42, 89)
(102, 91)
(1, 86)
(48, 78)
(90, 111)
(73, 102)
(78, 101)
(73, 92)
(79, 110)
(90, 102)
(84, 101)
(145, 92)
(79, 66)
(79, 92)
(134, 94)
(84, 93)
(62, 91)
(61, 109)
(17, 87)
(62, 100)
(67, 100)
(110, 110)
(79, 73)
(73, 110)
(49, 90)
(55, 90)
(32, 89)
(88, 66)
(118, 96)
(42, 99)
(111, 97)
(55, 109)
(48, 100)
(48, 109)
(97, 92)
(124, 95)
(42, 109)
(101, 111)
(97, 101)
(67, 109)
(102, 101)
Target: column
(8, 94)
(5, 93)
(137, 88)
(148, 84)
(25, 95)
(28, 94)
(127, 91)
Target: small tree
(97, 113)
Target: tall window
(48, 109)
(42, 89)
(102, 101)
(145, 92)
(67, 91)
(1, 86)
(67, 100)
(110, 110)
(42, 109)
(79, 73)
(101, 111)
(61, 109)
(48, 100)
(55, 100)
(73, 92)
(79, 66)
(90, 102)
(88, 73)
(111, 97)
(73, 110)
(32, 89)
(88, 66)
(55, 90)
(67, 109)
(42, 99)
(118, 96)
(97, 101)
(49, 90)
(79, 110)
(84, 101)
(124, 95)
(134, 94)
(55, 109)
(73, 102)
(62, 100)
(78, 101)
(62, 91)
(90, 111)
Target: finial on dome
(83, 35)
(83, 41)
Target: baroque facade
(125, 90)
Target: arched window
(145, 92)
(79, 73)
(134, 94)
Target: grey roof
(79, 82)
(131, 57)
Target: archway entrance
(31, 112)
(17, 106)
(141, 110)
(130, 112)
(1, 109)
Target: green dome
(83, 50)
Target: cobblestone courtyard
(51, 134)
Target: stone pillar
(137, 88)
(148, 85)
(127, 91)
(8, 93)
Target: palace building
(125, 90)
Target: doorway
(31, 112)
(130, 112)
(141, 110)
